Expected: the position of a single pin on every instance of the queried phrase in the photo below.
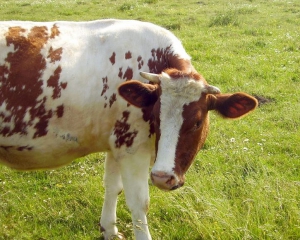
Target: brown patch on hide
(121, 131)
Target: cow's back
(58, 87)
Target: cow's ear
(232, 105)
(138, 94)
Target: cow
(124, 87)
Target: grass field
(244, 184)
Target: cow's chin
(180, 184)
(166, 182)
(171, 188)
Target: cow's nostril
(171, 180)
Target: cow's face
(180, 103)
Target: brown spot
(140, 62)
(60, 111)
(128, 55)
(53, 82)
(105, 105)
(120, 73)
(112, 99)
(105, 86)
(54, 55)
(63, 85)
(128, 74)
(44, 116)
(5, 131)
(54, 31)
(121, 131)
(148, 117)
(21, 80)
(163, 58)
(22, 148)
(159, 60)
(112, 59)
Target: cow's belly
(32, 161)
(51, 151)
(29, 159)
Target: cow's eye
(197, 124)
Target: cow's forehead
(184, 89)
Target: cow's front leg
(135, 172)
(113, 186)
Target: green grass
(244, 184)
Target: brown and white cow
(66, 91)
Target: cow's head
(179, 105)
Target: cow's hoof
(116, 237)
(111, 237)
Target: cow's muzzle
(166, 181)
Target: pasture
(245, 182)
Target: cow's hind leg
(135, 172)
(113, 186)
